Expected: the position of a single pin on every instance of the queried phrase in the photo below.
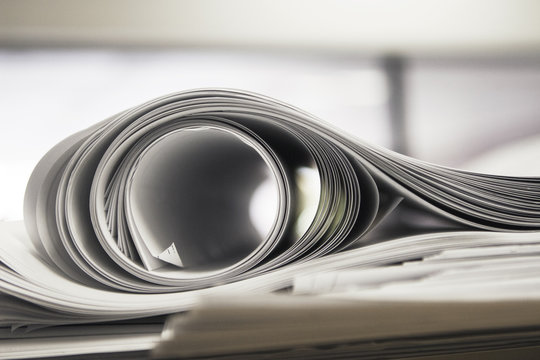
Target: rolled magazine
(207, 187)
(209, 192)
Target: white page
(235, 325)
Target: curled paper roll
(206, 187)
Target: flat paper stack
(204, 202)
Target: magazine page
(213, 194)
(160, 197)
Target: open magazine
(194, 201)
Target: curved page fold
(211, 186)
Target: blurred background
(451, 82)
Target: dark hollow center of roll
(209, 192)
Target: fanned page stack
(271, 234)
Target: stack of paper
(192, 199)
